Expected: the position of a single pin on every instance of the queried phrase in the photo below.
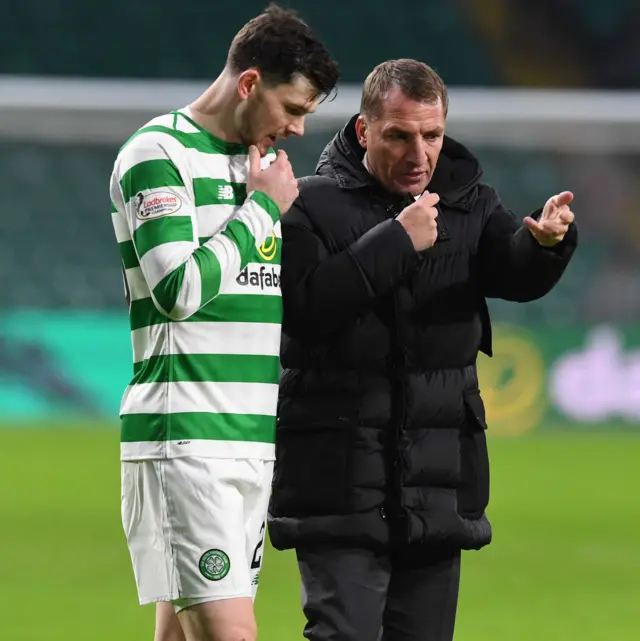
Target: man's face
(403, 142)
(269, 113)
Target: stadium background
(546, 92)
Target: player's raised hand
(554, 222)
(277, 180)
(419, 221)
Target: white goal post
(59, 110)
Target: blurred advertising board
(570, 378)
(60, 365)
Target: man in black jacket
(382, 473)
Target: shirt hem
(146, 450)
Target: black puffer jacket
(381, 429)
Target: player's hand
(554, 221)
(419, 221)
(277, 180)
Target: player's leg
(184, 520)
(211, 552)
(234, 619)
(168, 626)
(224, 620)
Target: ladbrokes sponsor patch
(156, 204)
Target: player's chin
(266, 144)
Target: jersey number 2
(257, 556)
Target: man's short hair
(280, 45)
(414, 79)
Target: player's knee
(223, 620)
(245, 632)
(168, 626)
(230, 633)
(169, 635)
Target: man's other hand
(554, 222)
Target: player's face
(404, 142)
(271, 113)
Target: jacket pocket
(312, 470)
(473, 492)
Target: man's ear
(361, 131)
(247, 82)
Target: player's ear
(247, 82)
(361, 131)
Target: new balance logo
(264, 278)
(225, 192)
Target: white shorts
(195, 527)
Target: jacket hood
(455, 179)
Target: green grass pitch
(564, 564)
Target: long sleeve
(514, 266)
(322, 290)
(151, 190)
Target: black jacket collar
(455, 179)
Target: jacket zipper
(399, 410)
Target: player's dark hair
(414, 79)
(281, 45)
